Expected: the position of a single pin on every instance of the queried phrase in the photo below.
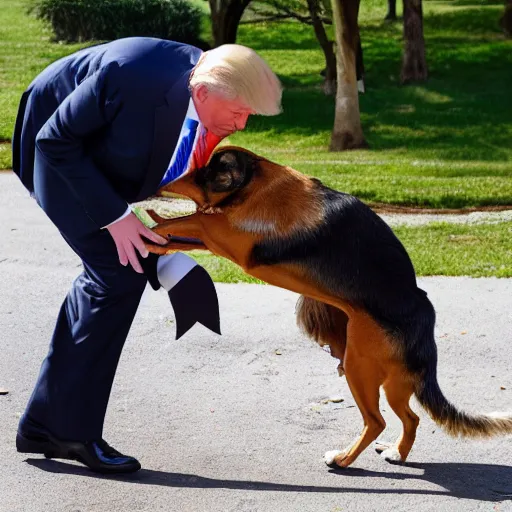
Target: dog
(358, 287)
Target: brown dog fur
(235, 217)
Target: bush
(84, 20)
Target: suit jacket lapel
(168, 121)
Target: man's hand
(127, 235)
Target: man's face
(219, 115)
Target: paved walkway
(239, 422)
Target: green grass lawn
(445, 143)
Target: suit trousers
(72, 392)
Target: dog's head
(229, 171)
(260, 196)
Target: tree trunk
(347, 132)
(327, 47)
(414, 64)
(359, 60)
(226, 16)
(506, 19)
(391, 14)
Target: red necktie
(206, 143)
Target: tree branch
(284, 14)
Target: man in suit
(96, 131)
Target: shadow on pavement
(485, 482)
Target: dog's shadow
(483, 482)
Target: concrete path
(167, 206)
(238, 422)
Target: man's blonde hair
(236, 71)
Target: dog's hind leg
(366, 349)
(398, 390)
(364, 386)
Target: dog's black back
(355, 255)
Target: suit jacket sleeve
(60, 144)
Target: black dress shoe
(98, 456)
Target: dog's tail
(421, 359)
(451, 419)
(327, 325)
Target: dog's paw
(392, 455)
(330, 457)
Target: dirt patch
(418, 210)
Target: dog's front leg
(187, 227)
(155, 217)
(174, 247)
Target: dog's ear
(227, 171)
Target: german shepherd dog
(357, 284)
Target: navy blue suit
(96, 130)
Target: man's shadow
(483, 482)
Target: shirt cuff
(125, 214)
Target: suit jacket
(106, 120)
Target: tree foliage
(84, 20)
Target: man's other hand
(127, 234)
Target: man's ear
(201, 93)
